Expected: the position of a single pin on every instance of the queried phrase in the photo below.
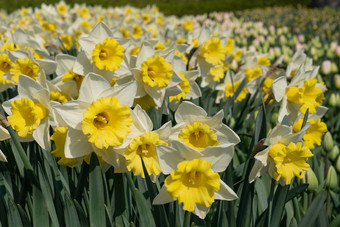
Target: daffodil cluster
(91, 77)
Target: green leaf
(96, 194)
(296, 191)
(161, 218)
(70, 212)
(40, 213)
(278, 205)
(47, 195)
(23, 216)
(81, 215)
(314, 210)
(262, 194)
(14, 218)
(145, 216)
(335, 222)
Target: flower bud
(337, 81)
(327, 142)
(338, 51)
(334, 68)
(332, 100)
(337, 164)
(311, 180)
(334, 153)
(234, 65)
(326, 67)
(273, 118)
(337, 98)
(332, 179)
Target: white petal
(100, 32)
(42, 136)
(178, 64)
(320, 111)
(225, 193)
(163, 197)
(72, 112)
(227, 135)
(2, 157)
(214, 122)
(82, 65)
(4, 135)
(91, 87)
(49, 66)
(65, 63)
(156, 94)
(164, 131)
(188, 111)
(143, 118)
(125, 93)
(76, 144)
(201, 211)
(279, 86)
(88, 44)
(145, 51)
(27, 86)
(256, 171)
(276, 133)
(219, 157)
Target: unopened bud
(332, 179)
(337, 81)
(334, 153)
(337, 164)
(273, 118)
(327, 142)
(234, 65)
(326, 67)
(311, 180)
(337, 98)
(332, 100)
(334, 68)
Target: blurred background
(181, 7)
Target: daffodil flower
(4, 135)
(103, 54)
(190, 89)
(99, 120)
(228, 88)
(154, 75)
(197, 130)
(284, 157)
(30, 111)
(194, 179)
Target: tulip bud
(337, 164)
(326, 67)
(334, 68)
(273, 118)
(334, 153)
(337, 81)
(311, 180)
(337, 98)
(332, 179)
(327, 142)
(338, 51)
(332, 100)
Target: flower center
(108, 55)
(107, 122)
(101, 120)
(156, 72)
(198, 136)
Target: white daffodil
(30, 111)
(99, 120)
(303, 92)
(197, 130)
(228, 88)
(154, 75)
(316, 129)
(194, 179)
(104, 54)
(5, 66)
(190, 89)
(144, 145)
(284, 157)
(65, 71)
(4, 135)
(25, 64)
